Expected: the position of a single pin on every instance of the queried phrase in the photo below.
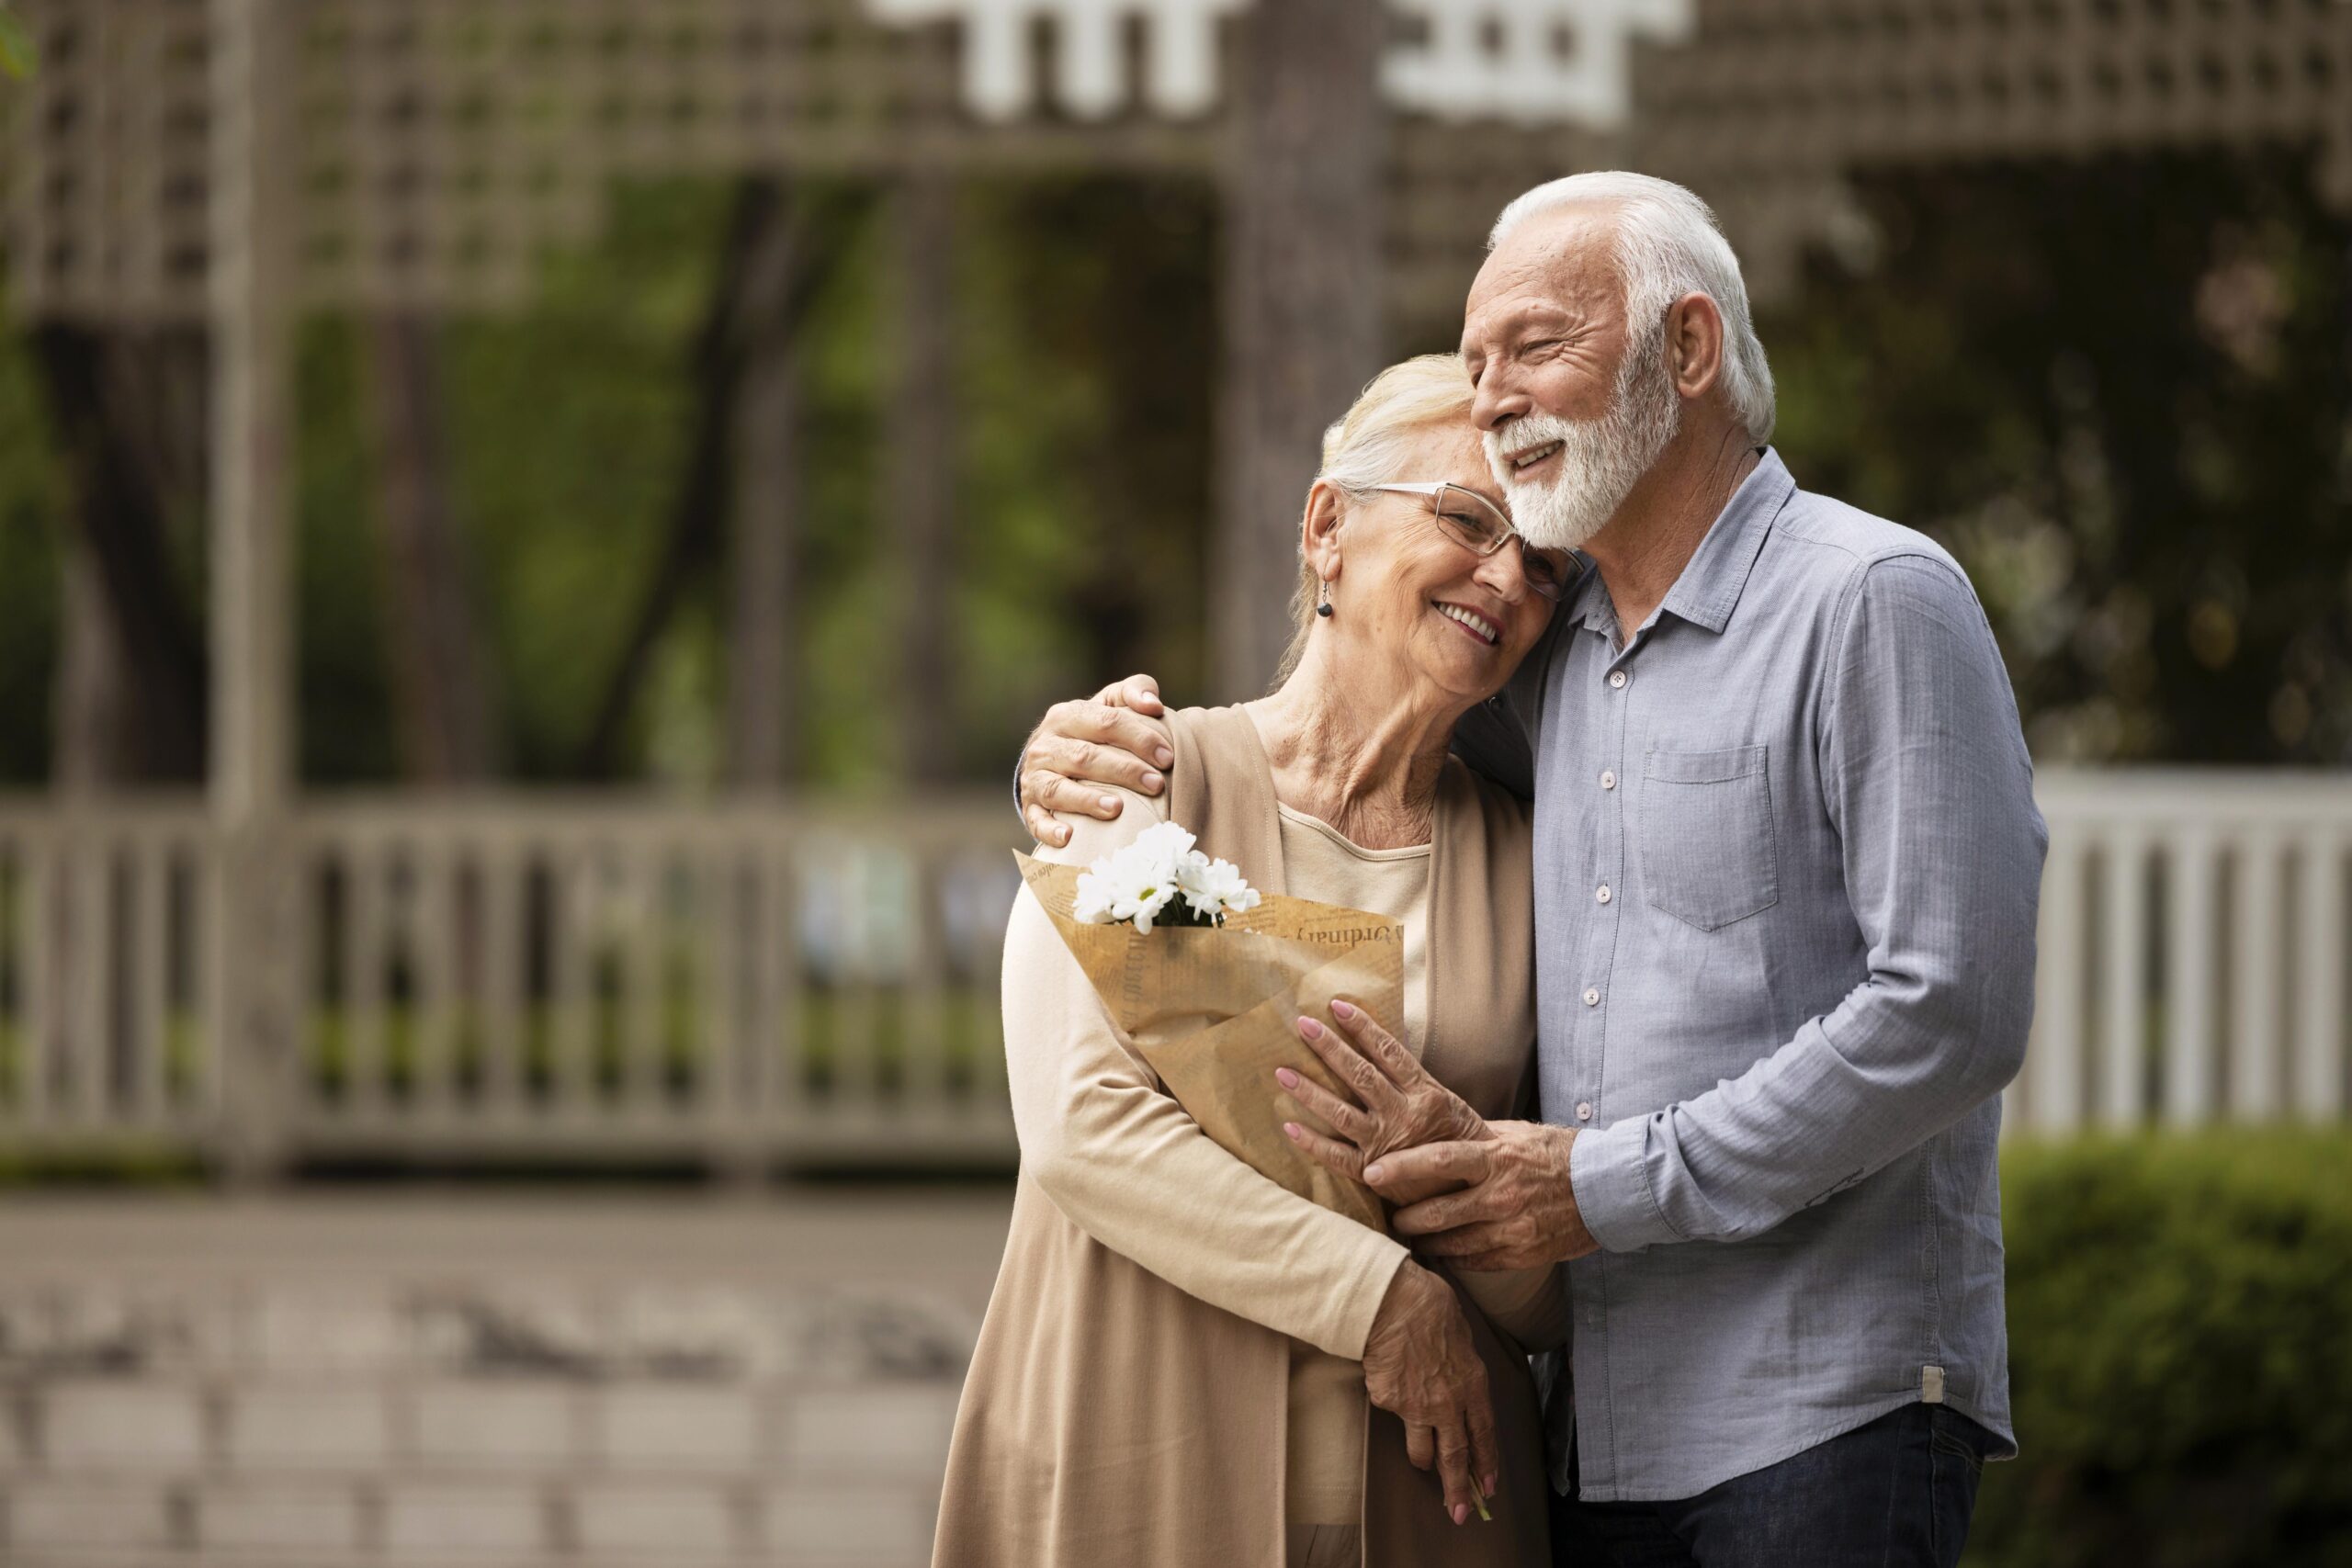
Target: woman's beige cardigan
(1127, 1403)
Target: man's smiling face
(1575, 403)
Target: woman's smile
(1478, 627)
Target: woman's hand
(1421, 1362)
(1397, 1105)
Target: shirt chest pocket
(1708, 856)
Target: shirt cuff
(1609, 1173)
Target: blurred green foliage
(2120, 392)
(2181, 1332)
(1082, 314)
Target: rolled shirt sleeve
(1929, 788)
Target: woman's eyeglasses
(1479, 527)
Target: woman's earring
(1323, 607)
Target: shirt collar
(1710, 586)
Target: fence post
(255, 999)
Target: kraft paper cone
(1212, 1012)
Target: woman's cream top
(1325, 1480)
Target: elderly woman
(1180, 1360)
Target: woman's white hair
(1367, 447)
(1669, 245)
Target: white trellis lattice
(1179, 52)
(1566, 62)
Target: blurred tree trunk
(443, 701)
(129, 413)
(922, 466)
(766, 495)
(766, 282)
(94, 742)
(1302, 301)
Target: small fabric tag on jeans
(1931, 1386)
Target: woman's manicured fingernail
(1341, 1010)
(1489, 1484)
(1286, 1078)
(1151, 780)
(1110, 802)
(1311, 1029)
(1164, 757)
(1372, 1173)
(1290, 1131)
(1461, 1513)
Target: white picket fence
(589, 979)
(2194, 950)
(556, 978)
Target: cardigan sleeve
(1128, 1166)
(1529, 1304)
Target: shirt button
(1609, 781)
(1584, 1110)
(1617, 679)
(1601, 892)
(1592, 996)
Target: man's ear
(1319, 529)
(1694, 344)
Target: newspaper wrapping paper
(1213, 1011)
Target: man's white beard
(1600, 459)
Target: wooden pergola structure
(232, 164)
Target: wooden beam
(1302, 301)
(256, 1014)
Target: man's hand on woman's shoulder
(1119, 736)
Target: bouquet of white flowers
(1210, 1005)
(1161, 868)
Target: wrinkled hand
(1419, 1362)
(1517, 1210)
(1117, 736)
(1396, 1106)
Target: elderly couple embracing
(1703, 804)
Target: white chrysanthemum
(1136, 881)
(1095, 898)
(1214, 887)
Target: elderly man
(1788, 861)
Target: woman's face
(1407, 595)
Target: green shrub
(2181, 1332)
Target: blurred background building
(497, 495)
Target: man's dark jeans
(1894, 1494)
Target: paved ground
(425, 1377)
(942, 1240)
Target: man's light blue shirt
(1787, 866)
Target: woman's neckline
(1308, 819)
(1251, 711)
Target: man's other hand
(1517, 1210)
(1119, 736)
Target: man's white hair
(1669, 245)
